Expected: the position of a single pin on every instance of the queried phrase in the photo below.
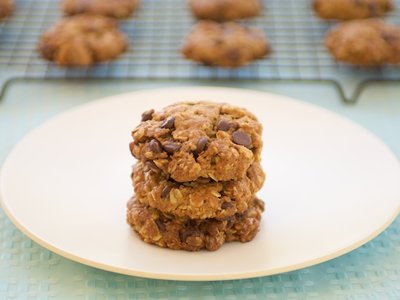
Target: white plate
(331, 187)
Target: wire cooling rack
(157, 31)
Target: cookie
(199, 199)
(352, 9)
(113, 9)
(227, 45)
(364, 42)
(6, 8)
(82, 40)
(155, 227)
(192, 140)
(225, 10)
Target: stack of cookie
(197, 176)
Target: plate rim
(180, 277)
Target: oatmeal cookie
(6, 8)
(113, 9)
(227, 45)
(193, 140)
(82, 40)
(364, 42)
(225, 10)
(199, 199)
(352, 9)
(155, 227)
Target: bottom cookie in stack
(155, 227)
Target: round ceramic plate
(331, 186)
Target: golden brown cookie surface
(109, 8)
(6, 8)
(352, 9)
(82, 40)
(160, 229)
(197, 199)
(225, 10)
(193, 140)
(364, 42)
(226, 45)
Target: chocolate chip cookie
(155, 227)
(113, 9)
(192, 140)
(82, 40)
(365, 42)
(225, 10)
(199, 199)
(6, 8)
(227, 45)
(352, 9)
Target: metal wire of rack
(157, 31)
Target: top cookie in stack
(190, 141)
(198, 172)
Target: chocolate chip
(224, 125)
(147, 115)
(160, 225)
(152, 166)
(171, 147)
(242, 138)
(165, 191)
(155, 146)
(239, 215)
(201, 144)
(226, 205)
(168, 123)
(184, 234)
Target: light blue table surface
(28, 271)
